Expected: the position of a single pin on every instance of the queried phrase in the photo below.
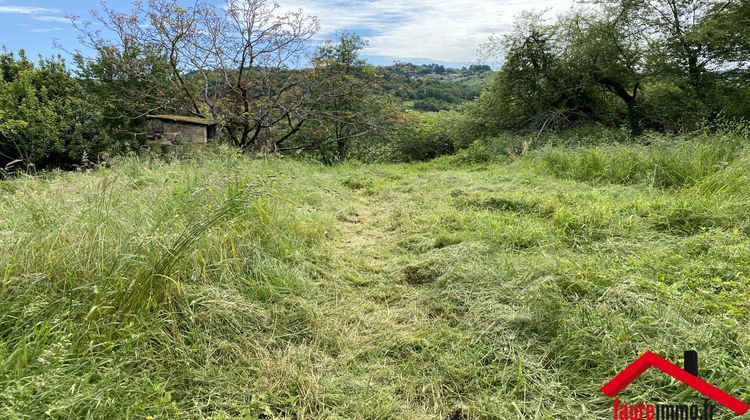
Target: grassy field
(229, 287)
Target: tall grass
(224, 287)
(116, 284)
(669, 164)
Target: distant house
(175, 130)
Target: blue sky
(421, 31)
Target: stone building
(170, 131)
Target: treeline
(434, 90)
(411, 70)
(666, 65)
(663, 65)
(246, 65)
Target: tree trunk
(695, 76)
(341, 148)
(261, 142)
(634, 118)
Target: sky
(447, 32)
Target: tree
(127, 84)
(608, 49)
(46, 119)
(233, 63)
(690, 38)
(685, 59)
(537, 87)
(692, 51)
(345, 104)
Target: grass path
(385, 312)
(489, 291)
(406, 336)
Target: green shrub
(46, 119)
(669, 107)
(432, 135)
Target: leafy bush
(434, 135)
(46, 120)
(491, 149)
(669, 107)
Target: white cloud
(26, 10)
(58, 19)
(439, 30)
(41, 14)
(41, 30)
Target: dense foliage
(46, 118)
(647, 65)
(662, 64)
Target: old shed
(173, 130)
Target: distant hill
(434, 87)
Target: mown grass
(226, 287)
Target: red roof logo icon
(649, 359)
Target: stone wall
(179, 133)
